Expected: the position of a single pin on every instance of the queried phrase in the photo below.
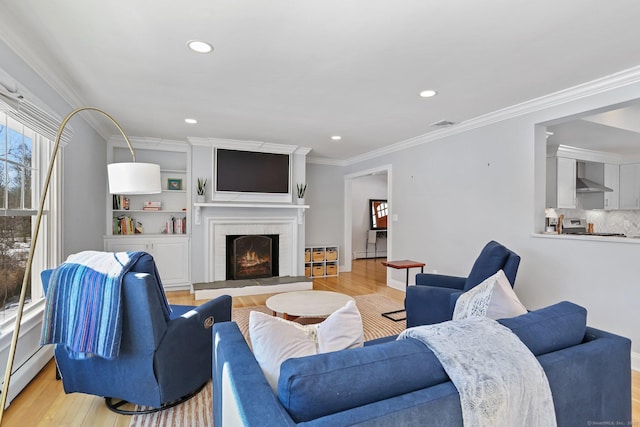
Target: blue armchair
(161, 362)
(434, 297)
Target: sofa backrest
(315, 386)
(492, 258)
(550, 328)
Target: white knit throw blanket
(499, 380)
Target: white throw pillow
(275, 340)
(494, 298)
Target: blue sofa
(390, 382)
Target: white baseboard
(370, 254)
(25, 373)
(396, 284)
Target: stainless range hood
(585, 185)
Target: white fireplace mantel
(198, 206)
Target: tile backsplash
(615, 221)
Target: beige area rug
(198, 411)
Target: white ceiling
(299, 71)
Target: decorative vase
(301, 200)
(199, 198)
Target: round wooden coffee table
(306, 303)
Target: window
(23, 153)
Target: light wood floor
(43, 403)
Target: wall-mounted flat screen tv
(252, 172)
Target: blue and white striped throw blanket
(83, 306)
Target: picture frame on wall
(174, 184)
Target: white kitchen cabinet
(612, 180)
(561, 182)
(171, 255)
(630, 186)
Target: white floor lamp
(124, 178)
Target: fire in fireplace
(252, 256)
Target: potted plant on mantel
(302, 188)
(201, 190)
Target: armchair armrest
(440, 280)
(426, 305)
(187, 341)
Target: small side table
(405, 264)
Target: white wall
(325, 196)
(454, 194)
(363, 189)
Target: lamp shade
(134, 178)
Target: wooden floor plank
(43, 403)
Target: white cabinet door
(172, 259)
(612, 180)
(566, 183)
(629, 194)
(171, 255)
(561, 182)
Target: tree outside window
(16, 201)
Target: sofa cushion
(275, 340)
(494, 298)
(315, 386)
(551, 328)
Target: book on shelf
(175, 226)
(120, 202)
(124, 225)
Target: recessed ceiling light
(428, 93)
(199, 46)
(336, 137)
(191, 121)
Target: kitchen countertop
(608, 239)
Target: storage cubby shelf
(321, 260)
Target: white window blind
(33, 117)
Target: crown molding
(584, 154)
(145, 142)
(260, 146)
(327, 161)
(614, 81)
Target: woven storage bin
(332, 255)
(332, 269)
(318, 270)
(307, 271)
(307, 256)
(318, 254)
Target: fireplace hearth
(252, 256)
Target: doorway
(360, 188)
